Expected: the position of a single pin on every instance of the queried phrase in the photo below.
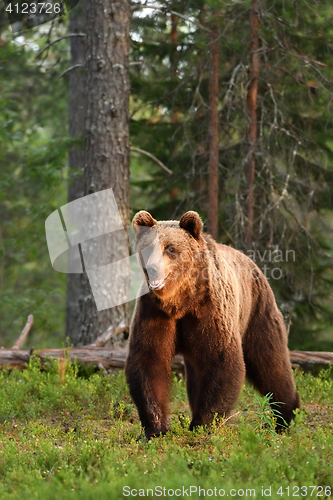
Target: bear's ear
(141, 220)
(192, 223)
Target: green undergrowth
(66, 436)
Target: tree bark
(252, 114)
(106, 142)
(213, 169)
(76, 119)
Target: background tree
(106, 139)
(252, 92)
(76, 162)
(213, 168)
(292, 158)
(33, 151)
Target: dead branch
(172, 12)
(227, 233)
(75, 66)
(57, 40)
(231, 416)
(308, 59)
(25, 331)
(152, 157)
(109, 332)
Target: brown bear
(213, 305)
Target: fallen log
(110, 358)
(312, 361)
(114, 358)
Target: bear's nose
(152, 271)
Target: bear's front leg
(218, 382)
(148, 373)
(148, 382)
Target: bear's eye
(171, 249)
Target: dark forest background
(171, 67)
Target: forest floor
(64, 435)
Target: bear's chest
(192, 330)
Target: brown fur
(218, 310)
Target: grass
(67, 436)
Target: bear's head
(169, 251)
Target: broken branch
(25, 331)
(57, 40)
(172, 12)
(152, 157)
(70, 69)
(109, 332)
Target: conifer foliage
(274, 125)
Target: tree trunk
(106, 148)
(252, 113)
(174, 42)
(213, 169)
(76, 118)
(173, 61)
